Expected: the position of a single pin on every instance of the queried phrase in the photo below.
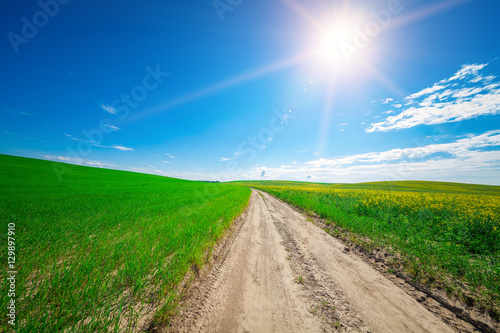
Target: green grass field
(98, 248)
(448, 234)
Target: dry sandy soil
(278, 272)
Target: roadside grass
(299, 280)
(99, 249)
(448, 235)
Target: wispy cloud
(236, 156)
(108, 108)
(167, 154)
(444, 103)
(459, 148)
(426, 91)
(22, 137)
(112, 127)
(97, 144)
(148, 168)
(225, 159)
(122, 148)
(77, 160)
(168, 162)
(478, 167)
(15, 111)
(475, 158)
(465, 71)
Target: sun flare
(330, 42)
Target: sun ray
(303, 13)
(326, 116)
(328, 29)
(222, 85)
(384, 79)
(425, 12)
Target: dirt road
(281, 273)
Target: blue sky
(326, 91)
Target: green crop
(102, 248)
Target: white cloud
(77, 160)
(97, 144)
(439, 113)
(151, 170)
(225, 159)
(445, 94)
(465, 92)
(479, 167)
(108, 108)
(168, 162)
(459, 148)
(466, 70)
(167, 154)
(387, 100)
(474, 159)
(429, 100)
(455, 104)
(147, 164)
(113, 127)
(477, 79)
(15, 111)
(343, 124)
(426, 91)
(122, 148)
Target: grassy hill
(97, 248)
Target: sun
(331, 41)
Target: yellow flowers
(445, 208)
